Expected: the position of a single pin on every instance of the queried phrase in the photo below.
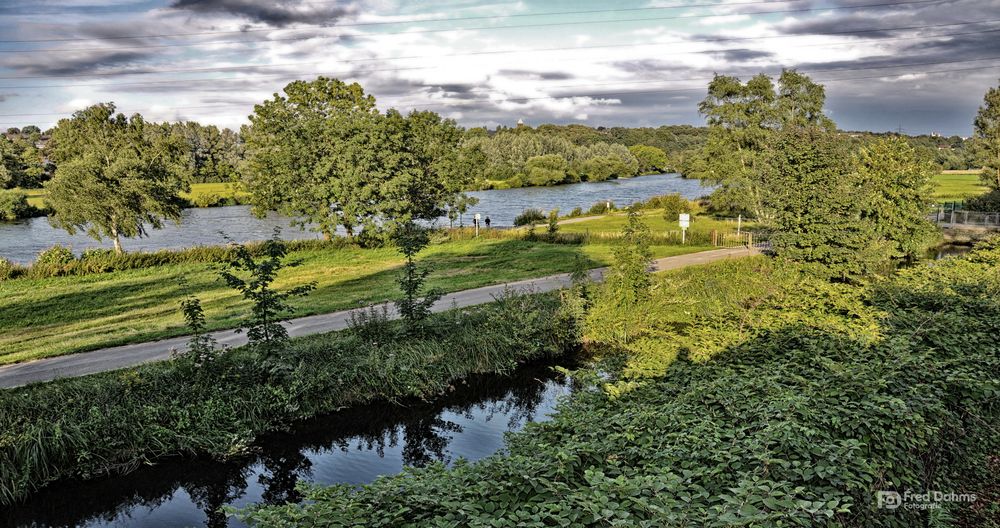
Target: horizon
(913, 66)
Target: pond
(20, 242)
(352, 447)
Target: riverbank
(115, 422)
(55, 316)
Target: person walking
(487, 222)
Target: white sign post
(477, 225)
(684, 220)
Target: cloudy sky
(922, 65)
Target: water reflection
(353, 447)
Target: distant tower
(520, 122)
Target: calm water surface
(21, 242)
(352, 447)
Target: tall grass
(113, 422)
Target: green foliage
(14, 205)
(212, 155)
(651, 159)
(6, 269)
(628, 278)
(986, 138)
(322, 152)
(673, 205)
(985, 202)
(577, 211)
(118, 421)
(415, 305)
(603, 207)
(548, 169)
(115, 175)
(553, 226)
(898, 188)
(202, 348)
(105, 261)
(814, 196)
(743, 119)
(795, 421)
(269, 307)
(55, 256)
(529, 216)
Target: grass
(957, 185)
(654, 219)
(63, 315)
(36, 197)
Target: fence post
(715, 238)
(749, 239)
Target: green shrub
(117, 421)
(529, 216)
(55, 256)
(988, 202)
(577, 211)
(603, 207)
(6, 269)
(673, 205)
(208, 200)
(14, 205)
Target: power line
(547, 24)
(497, 52)
(632, 92)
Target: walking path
(119, 357)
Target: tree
(743, 119)
(114, 178)
(651, 159)
(323, 152)
(269, 307)
(213, 155)
(898, 185)
(987, 138)
(628, 279)
(818, 200)
(548, 169)
(415, 305)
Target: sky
(922, 66)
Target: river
(20, 242)
(351, 447)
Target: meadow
(957, 185)
(44, 317)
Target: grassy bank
(114, 422)
(955, 185)
(789, 401)
(200, 193)
(62, 315)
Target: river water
(350, 447)
(20, 242)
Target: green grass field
(653, 218)
(62, 315)
(36, 197)
(955, 186)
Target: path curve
(119, 357)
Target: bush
(577, 211)
(117, 421)
(529, 216)
(988, 202)
(791, 423)
(208, 200)
(602, 207)
(6, 269)
(14, 205)
(55, 256)
(673, 205)
(549, 169)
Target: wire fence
(960, 217)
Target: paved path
(131, 355)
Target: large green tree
(895, 188)
(115, 175)
(213, 154)
(324, 153)
(987, 138)
(743, 119)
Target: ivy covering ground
(773, 399)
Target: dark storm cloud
(539, 75)
(739, 55)
(76, 63)
(278, 13)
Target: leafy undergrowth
(116, 421)
(788, 402)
